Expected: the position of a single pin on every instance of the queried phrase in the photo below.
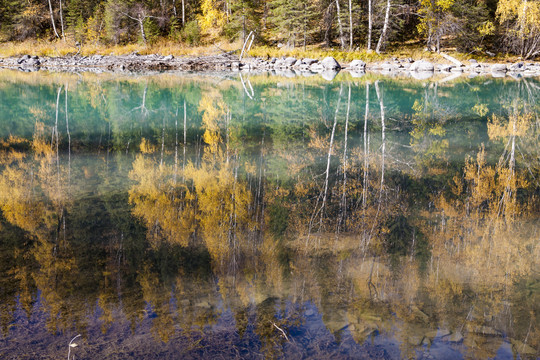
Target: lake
(255, 216)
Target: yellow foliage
(166, 208)
(147, 147)
(212, 19)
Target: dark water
(190, 216)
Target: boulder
(455, 337)
(445, 67)
(329, 63)
(289, 62)
(357, 65)
(168, 58)
(499, 68)
(23, 58)
(308, 61)
(422, 66)
(316, 67)
(519, 66)
(386, 66)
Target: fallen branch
(280, 329)
(451, 59)
(245, 42)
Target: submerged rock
(455, 337)
(522, 348)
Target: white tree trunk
(52, 20)
(370, 23)
(141, 24)
(183, 13)
(382, 38)
(340, 27)
(62, 22)
(350, 26)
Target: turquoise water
(198, 216)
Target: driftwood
(451, 59)
(251, 34)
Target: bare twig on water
(72, 345)
(283, 332)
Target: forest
(476, 27)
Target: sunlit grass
(414, 50)
(61, 48)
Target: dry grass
(60, 48)
(414, 50)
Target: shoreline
(328, 67)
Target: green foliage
(192, 33)
(242, 21)
(293, 20)
(151, 29)
(175, 32)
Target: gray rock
(386, 66)
(422, 66)
(405, 66)
(23, 58)
(499, 68)
(455, 337)
(357, 64)
(473, 61)
(308, 61)
(317, 67)
(519, 66)
(329, 63)
(289, 62)
(168, 58)
(445, 67)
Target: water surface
(197, 216)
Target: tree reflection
(385, 232)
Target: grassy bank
(166, 47)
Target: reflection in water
(167, 215)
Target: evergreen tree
(293, 20)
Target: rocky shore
(327, 67)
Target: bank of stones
(287, 66)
